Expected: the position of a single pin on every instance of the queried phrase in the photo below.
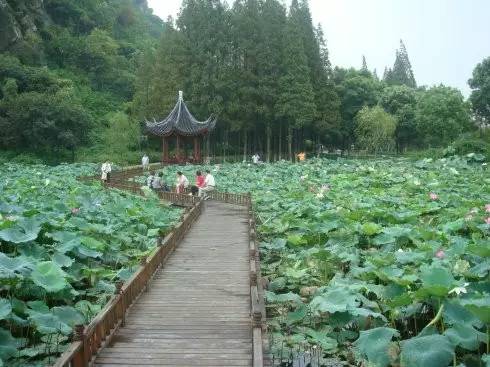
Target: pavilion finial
(181, 95)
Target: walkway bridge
(196, 301)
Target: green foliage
(63, 246)
(401, 101)
(402, 73)
(375, 130)
(73, 62)
(355, 90)
(480, 96)
(441, 115)
(371, 258)
(120, 136)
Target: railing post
(119, 292)
(82, 357)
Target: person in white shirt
(106, 171)
(182, 183)
(209, 185)
(256, 158)
(145, 162)
(150, 179)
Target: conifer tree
(296, 104)
(364, 64)
(402, 73)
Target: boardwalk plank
(196, 311)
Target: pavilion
(184, 127)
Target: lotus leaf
(5, 308)
(49, 276)
(24, 230)
(465, 336)
(8, 345)
(373, 345)
(432, 350)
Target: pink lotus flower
(487, 208)
(433, 196)
(440, 254)
(75, 211)
(487, 220)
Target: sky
(445, 39)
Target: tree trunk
(268, 137)
(245, 136)
(290, 142)
(280, 141)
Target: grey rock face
(10, 31)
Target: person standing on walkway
(106, 171)
(209, 185)
(145, 162)
(182, 183)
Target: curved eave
(166, 130)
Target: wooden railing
(257, 302)
(88, 340)
(91, 338)
(172, 197)
(231, 198)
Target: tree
(401, 73)
(375, 129)
(121, 135)
(480, 96)
(355, 90)
(401, 101)
(296, 102)
(441, 115)
(273, 23)
(364, 64)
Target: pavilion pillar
(196, 149)
(164, 150)
(177, 148)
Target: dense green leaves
(360, 250)
(63, 246)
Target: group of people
(204, 183)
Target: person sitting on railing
(199, 183)
(149, 180)
(182, 183)
(209, 185)
(159, 183)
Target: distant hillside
(65, 66)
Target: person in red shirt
(199, 183)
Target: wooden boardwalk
(196, 311)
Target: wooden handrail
(257, 303)
(88, 340)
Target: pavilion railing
(96, 335)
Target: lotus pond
(63, 246)
(379, 263)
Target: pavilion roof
(181, 122)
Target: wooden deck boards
(196, 311)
